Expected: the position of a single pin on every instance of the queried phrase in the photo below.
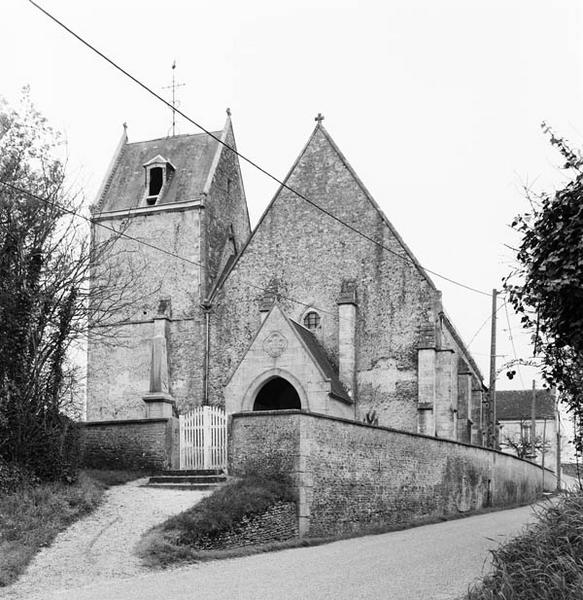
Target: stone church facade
(304, 312)
(183, 196)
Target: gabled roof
(516, 405)
(321, 359)
(406, 255)
(312, 348)
(156, 160)
(191, 155)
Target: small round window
(312, 320)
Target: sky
(436, 104)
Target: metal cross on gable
(319, 118)
(174, 86)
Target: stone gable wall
(308, 255)
(350, 477)
(293, 364)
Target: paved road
(433, 562)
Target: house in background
(514, 411)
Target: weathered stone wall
(308, 256)
(225, 208)
(278, 523)
(141, 444)
(351, 476)
(255, 451)
(119, 355)
(142, 276)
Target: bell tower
(172, 214)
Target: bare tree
(46, 263)
(522, 444)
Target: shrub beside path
(100, 547)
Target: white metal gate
(203, 438)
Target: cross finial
(174, 85)
(319, 118)
(228, 112)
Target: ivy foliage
(546, 287)
(41, 278)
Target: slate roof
(319, 354)
(191, 155)
(516, 405)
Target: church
(321, 307)
(314, 347)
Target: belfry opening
(277, 394)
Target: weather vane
(174, 103)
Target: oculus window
(312, 320)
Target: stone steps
(200, 480)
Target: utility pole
(533, 422)
(543, 450)
(493, 442)
(558, 426)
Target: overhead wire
(484, 324)
(249, 160)
(153, 246)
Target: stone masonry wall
(150, 445)
(225, 207)
(351, 476)
(307, 256)
(278, 523)
(119, 355)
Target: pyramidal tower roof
(192, 156)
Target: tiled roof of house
(191, 156)
(517, 404)
(319, 355)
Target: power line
(248, 160)
(119, 233)
(484, 324)
(153, 246)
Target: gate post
(206, 436)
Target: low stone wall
(350, 476)
(137, 444)
(278, 523)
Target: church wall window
(312, 320)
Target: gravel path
(99, 548)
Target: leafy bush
(544, 563)
(55, 455)
(13, 477)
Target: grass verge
(177, 539)
(32, 516)
(543, 563)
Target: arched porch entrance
(277, 394)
